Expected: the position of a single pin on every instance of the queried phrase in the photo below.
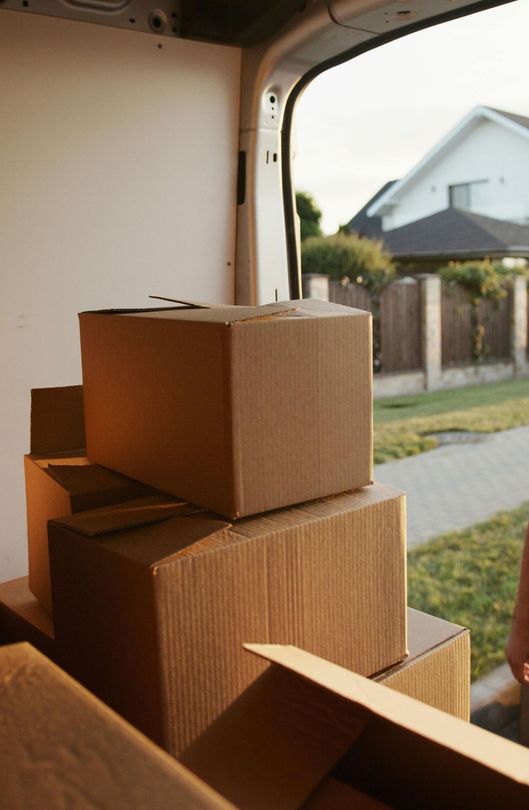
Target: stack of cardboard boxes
(225, 496)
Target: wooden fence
(400, 320)
(456, 332)
(401, 323)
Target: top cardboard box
(237, 409)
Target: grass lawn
(470, 578)
(405, 426)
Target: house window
(469, 196)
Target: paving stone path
(458, 485)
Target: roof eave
(496, 253)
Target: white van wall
(118, 179)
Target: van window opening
(324, 72)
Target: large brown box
(305, 720)
(238, 409)
(437, 669)
(62, 748)
(60, 479)
(152, 617)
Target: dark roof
(454, 233)
(518, 119)
(368, 226)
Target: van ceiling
(238, 22)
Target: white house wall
(489, 152)
(118, 167)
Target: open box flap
(83, 478)
(314, 308)
(272, 747)
(126, 515)
(179, 529)
(57, 420)
(470, 742)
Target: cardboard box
(152, 617)
(22, 618)
(60, 747)
(335, 795)
(60, 480)
(305, 719)
(437, 669)
(238, 409)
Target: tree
(309, 214)
(483, 280)
(355, 260)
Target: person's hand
(517, 649)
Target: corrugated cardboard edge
(489, 750)
(57, 420)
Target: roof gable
(511, 121)
(365, 225)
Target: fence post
(519, 326)
(431, 329)
(315, 286)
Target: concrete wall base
(408, 383)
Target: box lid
(231, 315)
(204, 313)
(57, 420)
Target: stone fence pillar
(519, 326)
(315, 286)
(431, 329)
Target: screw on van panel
(271, 103)
(158, 20)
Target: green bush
(361, 261)
(357, 260)
(309, 215)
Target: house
(467, 198)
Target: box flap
(64, 459)
(85, 478)
(273, 745)
(226, 315)
(57, 419)
(188, 303)
(126, 515)
(314, 308)
(470, 742)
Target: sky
(372, 119)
